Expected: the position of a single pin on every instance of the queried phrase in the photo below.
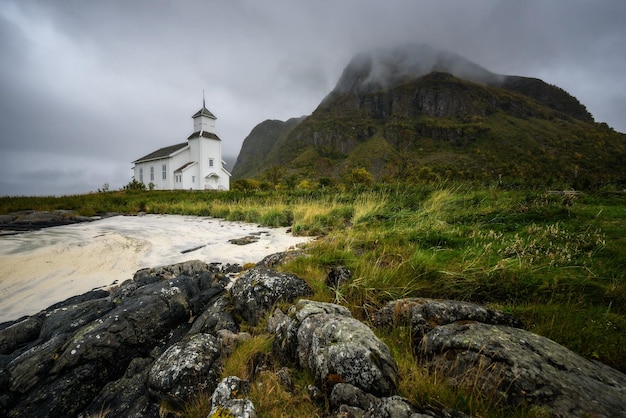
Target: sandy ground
(40, 268)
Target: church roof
(184, 166)
(161, 152)
(204, 112)
(204, 134)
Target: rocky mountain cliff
(259, 143)
(417, 112)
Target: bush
(134, 185)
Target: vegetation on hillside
(554, 259)
(456, 129)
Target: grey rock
(315, 393)
(62, 396)
(126, 397)
(187, 367)
(230, 340)
(191, 268)
(258, 289)
(249, 239)
(423, 314)
(350, 401)
(337, 276)
(69, 318)
(274, 320)
(228, 399)
(61, 376)
(327, 340)
(32, 366)
(217, 316)
(133, 328)
(525, 368)
(284, 377)
(277, 259)
(19, 334)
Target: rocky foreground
(161, 337)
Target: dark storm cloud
(87, 87)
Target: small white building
(196, 164)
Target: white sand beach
(40, 268)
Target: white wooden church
(195, 164)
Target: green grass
(554, 260)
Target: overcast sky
(87, 87)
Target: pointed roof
(204, 111)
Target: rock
(30, 219)
(249, 239)
(525, 368)
(62, 396)
(277, 259)
(134, 327)
(230, 340)
(228, 399)
(337, 348)
(93, 342)
(338, 276)
(69, 318)
(191, 268)
(274, 320)
(19, 334)
(315, 393)
(350, 401)
(32, 366)
(127, 396)
(285, 380)
(217, 316)
(258, 289)
(186, 368)
(424, 314)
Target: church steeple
(203, 119)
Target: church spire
(203, 119)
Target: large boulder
(423, 314)
(258, 289)
(525, 368)
(185, 369)
(336, 347)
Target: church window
(151, 173)
(164, 169)
(193, 179)
(141, 175)
(210, 162)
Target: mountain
(416, 112)
(258, 144)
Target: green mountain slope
(403, 126)
(258, 144)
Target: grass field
(556, 260)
